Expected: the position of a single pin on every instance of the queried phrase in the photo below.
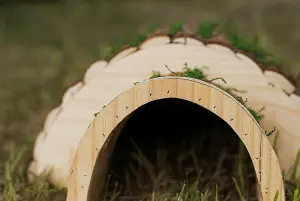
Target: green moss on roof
(175, 29)
(197, 73)
(206, 31)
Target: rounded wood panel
(98, 141)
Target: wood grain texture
(155, 41)
(187, 41)
(69, 94)
(238, 70)
(38, 144)
(122, 54)
(295, 98)
(94, 70)
(279, 81)
(99, 132)
(220, 48)
(50, 119)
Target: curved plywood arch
(99, 134)
(238, 70)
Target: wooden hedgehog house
(76, 145)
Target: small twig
(261, 109)
(218, 78)
(186, 65)
(171, 70)
(183, 29)
(237, 90)
(241, 100)
(271, 132)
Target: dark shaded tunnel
(171, 145)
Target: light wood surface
(279, 81)
(69, 94)
(38, 144)
(155, 41)
(106, 81)
(219, 102)
(94, 70)
(295, 98)
(50, 119)
(123, 54)
(188, 41)
(220, 48)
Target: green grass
(37, 66)
(197, 73)
(16, 186)
(198, 172)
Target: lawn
(44, 48)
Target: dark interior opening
(172, 147)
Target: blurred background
(46, 45)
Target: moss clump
(197, 73)
(206, 31)
(175, 29)
(110, 52)
(155, 74)
(143, 36)
(254, 48)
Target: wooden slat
(51, 117)
(264, 158)
(155, 41)
(94, 70)
(104, 85)
(187, 41)
(279, 81)
(295, 98)
(70, 93)
(123, 54)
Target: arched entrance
(98, 142)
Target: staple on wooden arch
(98, 136)
(237, 71)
